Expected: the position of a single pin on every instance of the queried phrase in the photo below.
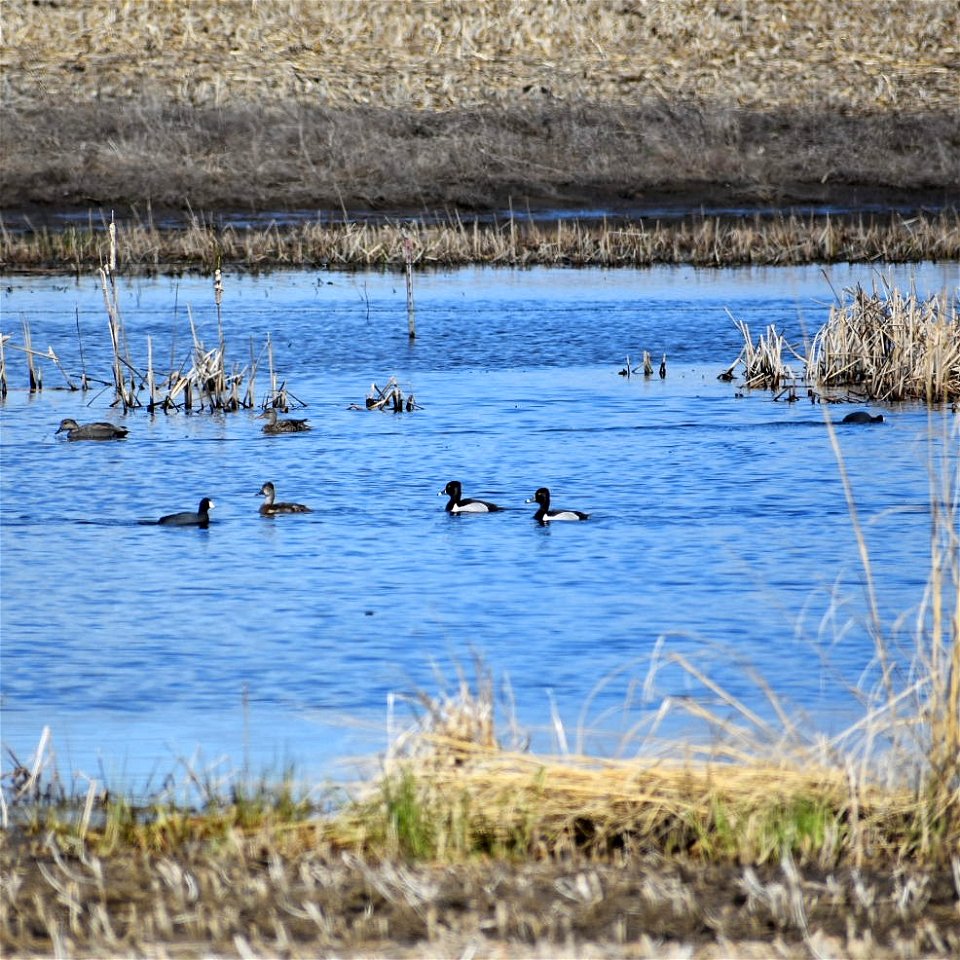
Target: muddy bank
(241, 902)
(638, 161)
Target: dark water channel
(719, 528)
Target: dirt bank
(411, 108)
(241, 903)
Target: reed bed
(780, 240)
(891, 345)
(886, 346)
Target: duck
(187, 519)
(459, 504)
(91, 431)
(269, 508)
(273, 425)
(545, 514)
(861, 416)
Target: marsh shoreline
(250, 902)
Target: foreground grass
(461, 845)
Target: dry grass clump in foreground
(466, 849)
(513, 242)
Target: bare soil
(318, 903)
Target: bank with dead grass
(460, 107)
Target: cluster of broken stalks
(886, 345)
(203, 380)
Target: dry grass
(708, 242)
(249, 900)
(885, 346)
(423, 106)
(434, 56)
(890, 345)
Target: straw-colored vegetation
(887, 346)
(438, 55)
(457, 106)
(512, 242)
(891, 346)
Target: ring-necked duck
(91, 431)
(545, 514)
(187, 519)
(270, 509)
(273, 425)
(861, 416)
(459, 504)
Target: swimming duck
(544, 514)
(91, 431)
(861, 416)
(187, 519)
(270, 509)
(273, 425)
(459, 504)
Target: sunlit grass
(774, 241)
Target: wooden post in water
(411, 310)
(220, 373)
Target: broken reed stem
(411, 310)
(151, 404)
(36, 379)
(113, 323)
(221, 384)
(83, 363)
(273, 372)
(251, 398)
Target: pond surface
(719, 529)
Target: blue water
(719, 529)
